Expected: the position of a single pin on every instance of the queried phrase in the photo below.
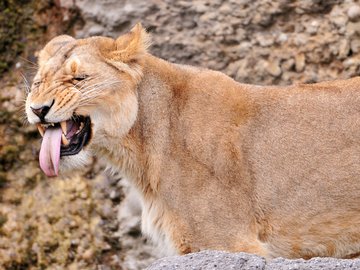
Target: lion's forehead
(85, 53)
(55, 69)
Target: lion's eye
(79, 78)
(37, 83)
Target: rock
(274, 68)
(312, 27)
(353, 28)
(96, 30)
(355, 45)
(288, 64)
(300, 40)
(88, 254)
(300, 62)
(313, 264)
(282, 38)
(338, 17)
(265, 40)
(106, 210)
(205, 31)
(354, 12)
(114, 195)
(210, 260)
(344, 49)
(351, 62)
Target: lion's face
(83, 92)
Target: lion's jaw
(109, 125)
(88, 80)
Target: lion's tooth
(63, 127)
(41, 129)
(64, 140)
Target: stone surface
(210, 260)
(354, 12)
(248, 41)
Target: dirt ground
(73, 222)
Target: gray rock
(355, 45)
(209, 260)
(313, 264)
(210, 33)
(354, 12)
(300, 62)
(312, 27)
(274, 68)
(344, 48)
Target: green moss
(3, 179)
(3, 220)
(9, 155)
(11, 151)
(5, 116)
(23, 28)
(31, 182)
(16, 22)
(10, 32)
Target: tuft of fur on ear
(72, 66)
(132, 45)
(53, 46)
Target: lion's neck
(139, 155)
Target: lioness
(273, 170)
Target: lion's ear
(53, 46)
(132, 45)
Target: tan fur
(220, 165)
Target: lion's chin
(70, 164)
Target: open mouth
(62, 139)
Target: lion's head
(84, 90)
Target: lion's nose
(41, 111)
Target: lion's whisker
(106, 83)
(95, 90)
(29, 61)
(26, 84)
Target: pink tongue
(50, 151)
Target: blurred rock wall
(260, 42)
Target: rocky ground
(210, 259)
(73, 222)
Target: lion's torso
(261, 169)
